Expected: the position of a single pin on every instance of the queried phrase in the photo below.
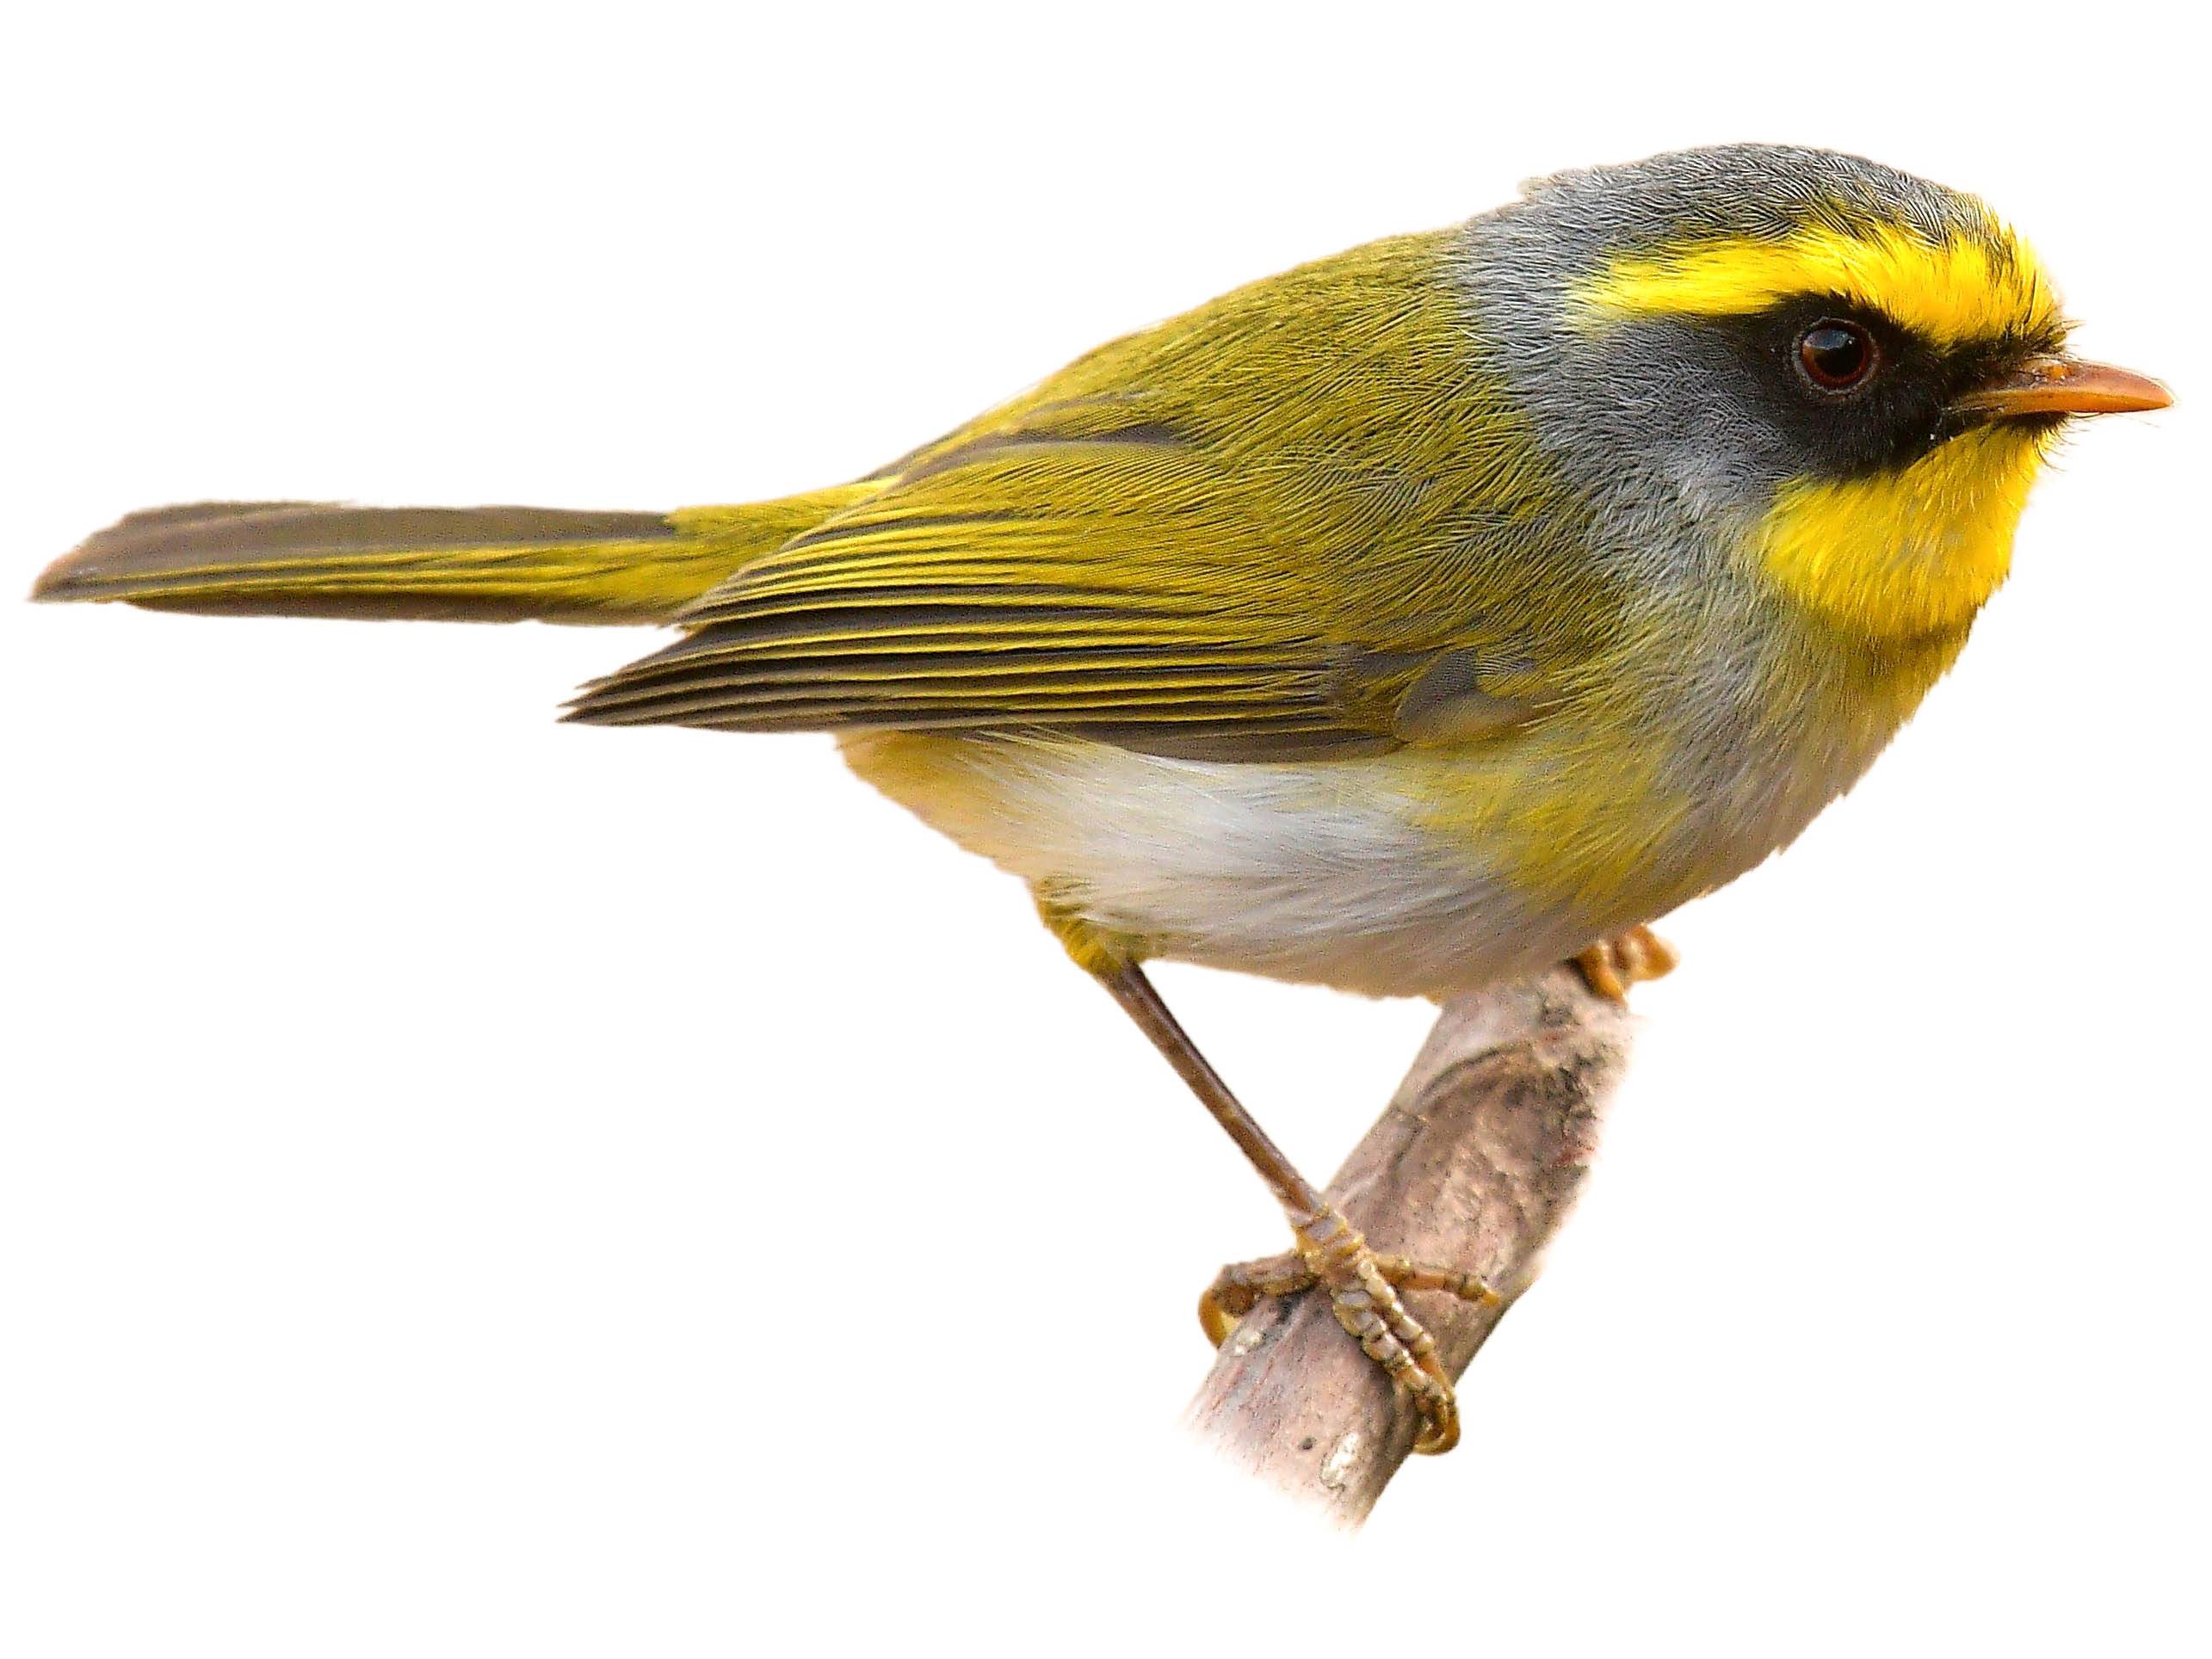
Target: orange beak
(2059, 386)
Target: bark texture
(1475, 1164)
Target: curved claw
(1440, 1424)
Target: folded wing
(1296, 522)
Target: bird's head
(1850, 373)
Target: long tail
(450, 564)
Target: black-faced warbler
(1422, 616)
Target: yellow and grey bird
(1414, 618)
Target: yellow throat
(1904, 553)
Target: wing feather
(1294, 522)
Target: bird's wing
(1297, 521)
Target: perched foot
(1610, 966)
(1363, 1290)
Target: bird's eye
(1837, 356)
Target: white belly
(1320, 872)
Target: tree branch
(1475, 1164)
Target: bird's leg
(1330, 1252)
(1611, 965)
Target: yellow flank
(1951, 291)
(1901, 554)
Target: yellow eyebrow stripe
(1950, 291)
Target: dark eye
(1837, 355)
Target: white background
(474, 1186)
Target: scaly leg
(1330, 1252)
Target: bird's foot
(1611, 965)
(1363, 1290)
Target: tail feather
(452, 563)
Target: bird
(1412, 619)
